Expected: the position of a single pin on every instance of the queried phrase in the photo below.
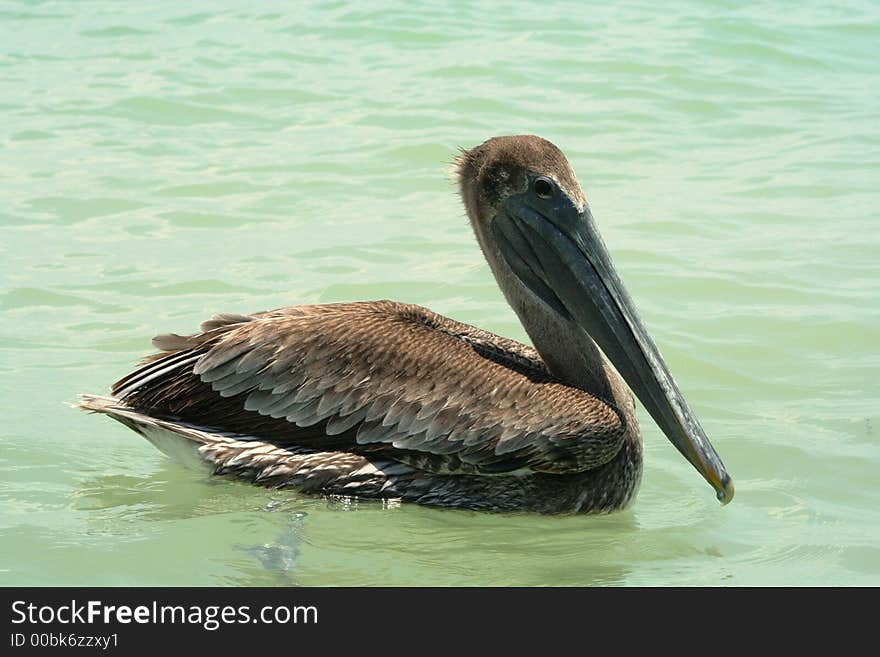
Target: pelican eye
(543, 187)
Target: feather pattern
(384, 379)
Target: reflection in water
(164, 498)
(169, 493)
(218, 531)
(279, 557)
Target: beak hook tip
(725, 493)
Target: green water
(160, 164)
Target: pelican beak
(553, 246)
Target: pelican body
(389, 400)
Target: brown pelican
(389, 400)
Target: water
(160, 164)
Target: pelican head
(536, 230)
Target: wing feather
(381, 378)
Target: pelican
(388, 400)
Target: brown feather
(421, 387)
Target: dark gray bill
(556, 250)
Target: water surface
(162, 163)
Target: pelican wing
(383, 378)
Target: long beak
(555, 249)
